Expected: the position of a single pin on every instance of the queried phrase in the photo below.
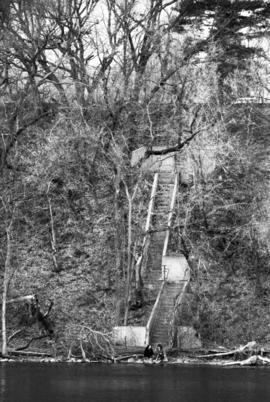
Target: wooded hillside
(85, 83)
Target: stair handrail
(153, 313)
(146, 238)
(178, 301)
(166, 241)
(151, 202)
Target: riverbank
(250, 354)
(255, 360)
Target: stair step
(160, 333)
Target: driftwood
(255, 360)
(14, 352)
(27, 298)
(120, 358)
(105, 358)
(249, 347)
(99, 343)
(222, 354)
(19, 331)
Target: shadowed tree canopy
(232, 27)
(4, 9)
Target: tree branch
(18, 133)
(29, 343)
(175, 148)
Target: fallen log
(28, 298)
(28, 353)
(106, 358)
(255, 360)
(29, 342)
(250, 346)
(126, 357)
(222, 354)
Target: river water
(34, 382)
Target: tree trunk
(53, 239)
(5, 290)
(128, 260)
(129, 254)
(4, 330)
(118, 245)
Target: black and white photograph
(135, 200)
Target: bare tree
(130, 198)
(9, 271)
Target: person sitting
(148, 352)
(159, 353)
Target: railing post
(165, 272)
(146, 239)
(151, 203)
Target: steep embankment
(222, 225)
(61, 196)
(69, 232)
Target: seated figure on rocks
(159, 353)
(148, 352)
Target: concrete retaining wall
(129, 336)
(188, 338)
(176, 267)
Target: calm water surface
(27, 382)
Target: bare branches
(14, 334)
(18, 132)
(97, 343)
(26, 346)
(177, 147)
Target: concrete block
(154, 163)
(188, 338)
(176, 268)
(129, 336)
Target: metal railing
(153, 313)
(166, 241)
(146, 239)
(164, 269)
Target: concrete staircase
(163, 203)
(163, 288)
(152, 275)
(160, 326)
(163, 320)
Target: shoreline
(181, 361)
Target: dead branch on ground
(29, 342)
(243, 349)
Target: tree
(83, 84)
(8, 270)
(4, 10)
(228, 30)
